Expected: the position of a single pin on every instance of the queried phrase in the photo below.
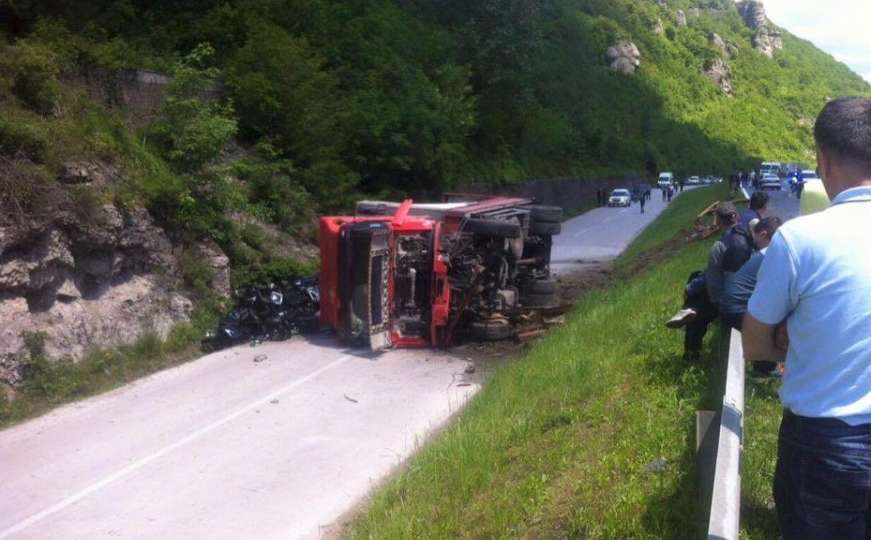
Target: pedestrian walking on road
(812, 307)
(642, 200)
(670, 193)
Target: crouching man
(816, 277)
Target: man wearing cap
(816, 278)
(703, 292)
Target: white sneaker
(681, 318)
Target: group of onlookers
(723, 289)
(800, 292)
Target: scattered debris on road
(352, 400)
(260, 358)
(274, 313)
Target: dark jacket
(727, 256)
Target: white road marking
(72, 499)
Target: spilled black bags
(272, 313)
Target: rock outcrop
(766, 39)
(97, 278)
(624, 57)
(219, 264)
(727, 49)
(720, 74)
(680, 17)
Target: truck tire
(541, 287)
(544, 228)
(546, 214)
(491, 330)
(538, 300)
(491, 227)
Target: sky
(839, 27)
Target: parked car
(620, 197)
(415, 275)
(693, 181)
(770, 181)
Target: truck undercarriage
(407, 275)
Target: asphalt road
(602, 234)
(226, 447)
(236, 446)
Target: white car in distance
(770, 181)
(620, 197)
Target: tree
(194, 126)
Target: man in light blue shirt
(816, 278)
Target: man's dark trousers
(822, 483)
(706, 313)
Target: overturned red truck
(419, 275)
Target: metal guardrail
(725, 519)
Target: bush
(194, 127)
(261, 274)
(34, 69)
(20, 139)
(196, 274)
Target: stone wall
(138, 92)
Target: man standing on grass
(816, 278)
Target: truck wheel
(546, 214)
(490, 227)
(541, 287)
(539, 300)
(543, 228)
(492, 330)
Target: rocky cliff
(100, 280)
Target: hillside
(191, 144)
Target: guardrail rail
(725, 518)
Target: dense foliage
(328, 98)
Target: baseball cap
(726, 210)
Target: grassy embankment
(565, 444)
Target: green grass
(678, 217)
(558, 444)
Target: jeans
(822, 484)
